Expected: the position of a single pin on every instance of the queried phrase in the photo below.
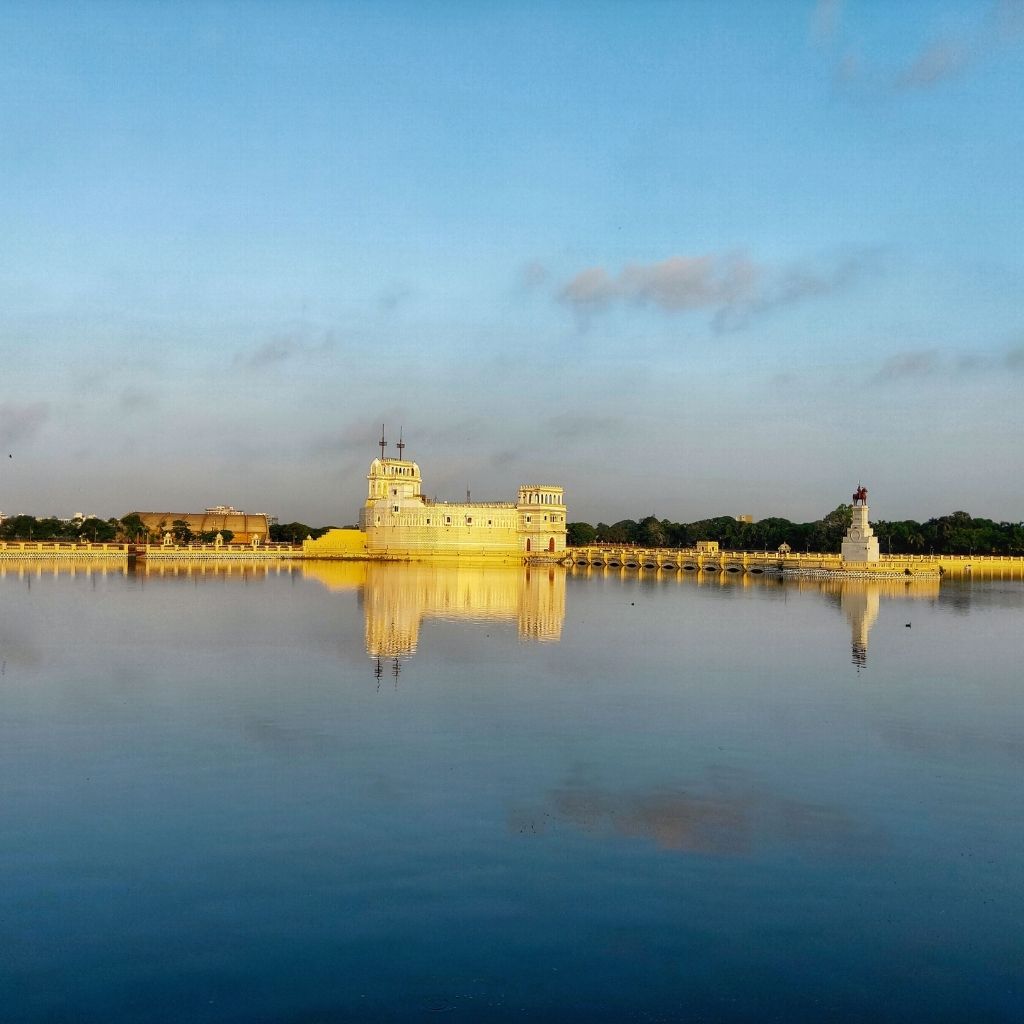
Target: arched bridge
(691, 560)
(626, 556)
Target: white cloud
(733, 287)
(282, 348)
(937, 61)
(825, 20)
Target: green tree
(52, 528)
(99, 531)
(622, 532)
(651, 533)
(19, 528)
(290, 533)
(180, 531)
(827, 534)
(133, 528)
(296, 533)
(579, 535)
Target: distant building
(745, 518)
(225, 510)
(243, 526)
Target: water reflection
(37, 568)
(860, 601)
(722, 815)
(687, 808)
(397, 598)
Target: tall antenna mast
(383, 444)
(401, 443)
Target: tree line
(296, 533)
(100, 531)
(131, 530)
(956, 534)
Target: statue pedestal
(860, 543)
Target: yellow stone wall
(458, 530)
(336, 544)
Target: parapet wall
(810, 563)
(336, 544)
(20, 551)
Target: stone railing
(18, 550)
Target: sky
(684, 259)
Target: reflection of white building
(397, 598)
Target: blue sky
(685, 259)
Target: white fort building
(398, 522)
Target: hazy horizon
(683, 260)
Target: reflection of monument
(860, 600)
(860, 543)
(396, 598)
(860, 605)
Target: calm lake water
(385, 793)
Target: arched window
(551, 544)
(527, 543)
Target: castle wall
(458, 530)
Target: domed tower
(393, 478)
(393, 487)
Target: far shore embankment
(608, 556)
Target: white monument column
(860, 543)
